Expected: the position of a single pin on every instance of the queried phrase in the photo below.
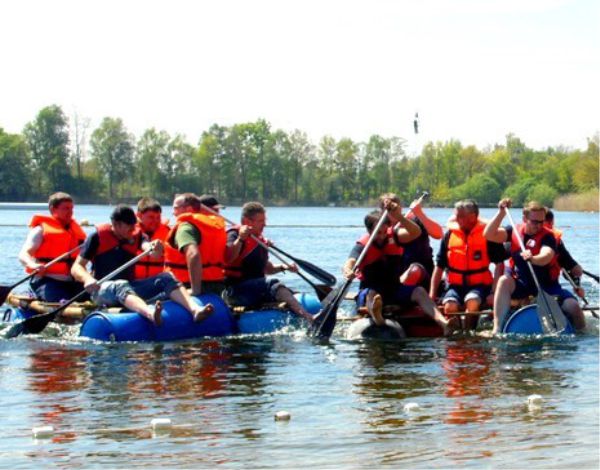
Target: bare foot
(202, 313)
(376, 310)
(157, 314)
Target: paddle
(315, 271)
(576, 289)
(5, 290)
(325, 320)
(593, 276)
(321, 290)
(37, 323)
(552, 318)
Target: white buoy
(410, 407)
(161, 423)
(41, 432)
(283, 416)
(535, 401)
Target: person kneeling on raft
(113, 245)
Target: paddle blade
(15, 330)
(322, 291)
(317, 272)
(323, 324)
(4, 291)
(551, 316)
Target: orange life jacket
(555, 265)
(468, 260)
(57, 240)
(534, 244)
(375, 253)
(109, 241)
(149, 266)
(234, 268)
(212, 247)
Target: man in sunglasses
(541, 252)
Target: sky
(474, 70)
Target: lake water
(347, 399)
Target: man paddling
(540, 252)
(113, 245)
(195, 248)
(50, 237)
(381, 281)
(248, 265)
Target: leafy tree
(113, 148)
(48, 139)
(14, 167)
(542, 193)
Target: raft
(177, 323)
(526, 321)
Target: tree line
(252, 161)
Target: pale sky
(475, 70)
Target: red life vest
(149, 266)
(234, 268)
(534, 244)
(468, 260)
(57, 240)
(109, 241)
(554, 265)
(375, 253)
(212, 248)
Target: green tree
(542, 193)
(14, 167)
(48, 139)
(113, 149)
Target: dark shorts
(524, 290)
(52, 290)
(400, 295)
(254, 292)
(460, 294)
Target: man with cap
(195, 248)
(110, 247)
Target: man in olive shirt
(198, 267)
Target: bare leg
(573, 310)
(472, 305)
(138, 305)
(199, 313)
(283, 294)
(375, 307)
(504, 289)
(421, 297)
(451, 307)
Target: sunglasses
(536, 222)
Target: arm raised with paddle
(551, 317)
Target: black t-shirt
(382, 274)
(107, 262)
(418, 250)
(254, 264)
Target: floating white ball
(42, 431)
(410, 407)
(535, 400)
(161, 423)
(282, 416)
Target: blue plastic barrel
(271, 320)
(177, 323)
(526, 321)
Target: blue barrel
(526, 321)
(271, 320)
(15, 314)
(177, 323)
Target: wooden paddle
(37, 323)
(321, 290)
(593, 276)
(315, 271)
(5, 290)
(552, 318)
